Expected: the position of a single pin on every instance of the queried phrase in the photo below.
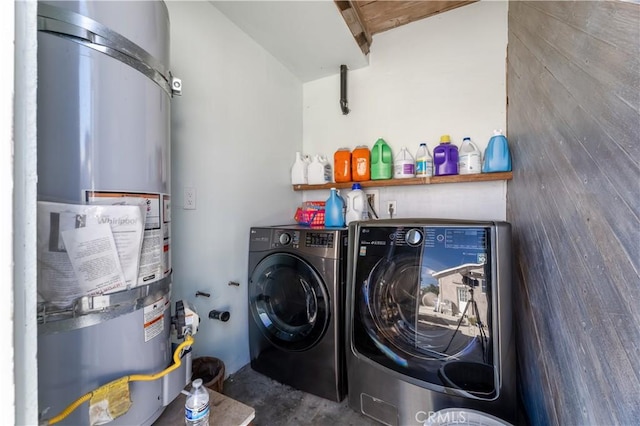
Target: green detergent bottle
(381, 161)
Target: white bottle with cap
(196, 406)
(319, 171)
(404, 166)
(424, 162)
(299, 171)
(469, 158)
(357, 208)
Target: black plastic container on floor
(210, 370)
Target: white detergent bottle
(299, 171)
(328, 171)
(356, 204)
(424, 162)
(469, 158)
(403, 165)
(317, 174)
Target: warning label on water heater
(154, 318)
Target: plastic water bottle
(424, 162)
(299, 171)
(469, 158)
(196, 408)
(404, 166)
(334, 210)
(356, 204)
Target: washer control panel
(285, 238)
(319, 239)
(312, 239)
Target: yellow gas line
(188, 341)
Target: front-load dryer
(297, 282)
(429, 319)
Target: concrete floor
(281, 405)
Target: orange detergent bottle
(361, 163)
(342, 165)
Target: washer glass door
(422, 304)
(289, 301)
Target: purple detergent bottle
(445, 157)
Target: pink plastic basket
(311, 213)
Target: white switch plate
(189, 198)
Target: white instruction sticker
(154, 318)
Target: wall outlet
(373, 196)
(392, 210)
(189, 198)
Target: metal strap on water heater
(90, 310)
(89, 33)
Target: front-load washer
(297, 282)
(429, 319)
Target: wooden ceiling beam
(365, 18)
(380, 16)
(353, 18)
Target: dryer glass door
(289, 301)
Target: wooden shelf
(480, 177)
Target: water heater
(104, 94)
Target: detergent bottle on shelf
(342, 165)
(497, 157)
(469, 160)
(319, 171)
(299, 171)
(361, 164)
(404, 166)
(424, 162)
(381, 161)
(445, 157)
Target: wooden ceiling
(366, 18)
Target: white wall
(442, 75)
(6, 213)
(18, 190)
(235, 131)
